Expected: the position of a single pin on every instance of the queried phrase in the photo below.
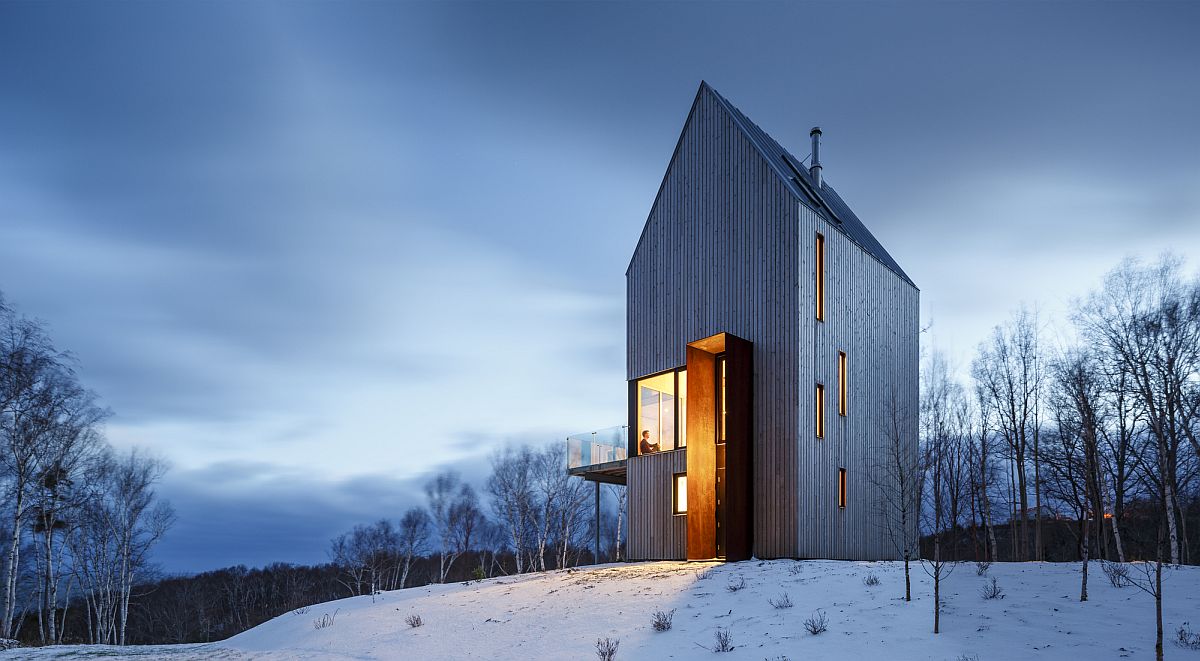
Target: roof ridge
(844, 219)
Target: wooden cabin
(771, 344)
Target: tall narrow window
(679, 494)
(842, 388)
(681, 388)
(820, 411)
(842, 488)
(724, 408)
(820, 278)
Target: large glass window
(656, 413)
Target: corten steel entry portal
(720, 516)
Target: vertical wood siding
(718, 255)
(871, 315)
(728, 248)
(655, 533)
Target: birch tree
(511, 491)
(414, 535)
(899, 481)
(1008, 375)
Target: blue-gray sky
(311, 251)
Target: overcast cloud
(309, 252)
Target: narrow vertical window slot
(842, 488)
(820, 278)
(843, 389)
(820, 411)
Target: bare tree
(620, 495)
(982, 457)
(440, 493)
(899, 481)
(511, 491)
(550, 482)
(454, 510)
(1148, 318)
(72, 442)
(1008, 375)
(465, 522)
(944, 420)
(31, 371)
(122, 521)
(1077, 402)
(367, 557)
(414, 536)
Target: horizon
(310, 254)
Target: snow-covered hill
(560, 615)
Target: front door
(720, 456)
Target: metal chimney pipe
(815, 168)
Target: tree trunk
(1158, 640)
(1087, 542)
(12, 564)
(1172, 508)
(907, 579)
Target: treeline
(533, 517)
(79, 518)
(536, 518)
(1082, 448)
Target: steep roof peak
(820, 197)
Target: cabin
(771, 359)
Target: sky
(312, 252)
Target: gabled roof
(825, 202)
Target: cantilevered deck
(599, 456)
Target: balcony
(599, 455)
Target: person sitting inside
(646, 447)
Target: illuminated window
(723, 407)
(842, 374)
(820, 278)
(656, 413)
(842, 488)
(682, 440)
(679, 489)
(820, 411)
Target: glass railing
(597, 447)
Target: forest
(1072, 440)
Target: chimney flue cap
(816, 130)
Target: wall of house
(655, 532)
(873, 316)
(718, 253)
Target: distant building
(770, 340)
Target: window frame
(634, 435)
(843, 388)
(820, 411)
(676, 478)
(841, 488)
(820, 277)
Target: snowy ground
(560, 615)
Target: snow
(560, 615)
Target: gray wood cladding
(872, 315)
(728, 248)
(655, 533)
